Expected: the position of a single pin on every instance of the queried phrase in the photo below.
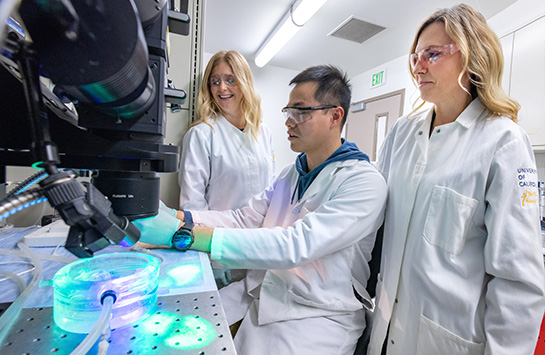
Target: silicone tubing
(102, 323)
(60, 259)
(16, 278)
(12, 313)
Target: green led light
(189, 332)
(195, 333)
(37, 166)
(159, 323)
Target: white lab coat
(462, 265)
(222, 168)
(305, 255)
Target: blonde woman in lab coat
(462, 266)
(227, 155)
(306, 239)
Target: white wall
(272, 84)
(517, 15)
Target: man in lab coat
(306, 239)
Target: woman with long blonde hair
(227, 155)
(462, 265)
(247, 114)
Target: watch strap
(188, 217)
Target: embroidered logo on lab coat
(527, 182)
(529, 197)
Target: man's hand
(158, 230)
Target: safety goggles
(432, 54)
(229, 80)
(301, 114)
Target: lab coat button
(296, 210)
(396, 300)
(420, 133)
(438, 130)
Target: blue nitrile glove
(157, 230)
(171, 211)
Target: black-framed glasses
(431, 54)
(229, 80)
(301, 114)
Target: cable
(33, 179)
(38, 220)
(54, 253)
(12, 313)
(16, 203)
(27, 183)
(103, 322)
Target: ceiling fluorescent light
(300, 12)
(305, 10)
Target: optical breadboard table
(188, 318)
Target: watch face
(182, 240)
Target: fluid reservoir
(79, 287)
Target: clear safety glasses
(229, 80)
(432, 54)
(302, 114)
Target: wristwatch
(183, 238)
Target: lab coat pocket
(434, 339)
(448, 219)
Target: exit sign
(378, 79)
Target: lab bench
(188, 318)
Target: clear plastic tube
(12, 313)
(102, 323)
(16, 278)
(60, 259)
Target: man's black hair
(333, 86)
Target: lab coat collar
(467, 118)
(327, 172)
(471, 114)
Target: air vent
(356, 30)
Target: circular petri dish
(79, 287)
